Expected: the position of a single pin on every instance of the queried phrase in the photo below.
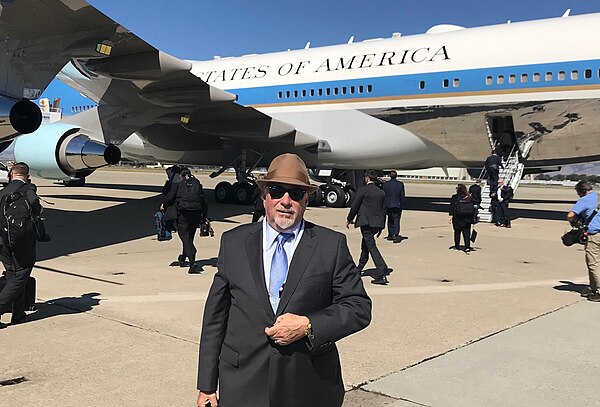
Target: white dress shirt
(270, 243)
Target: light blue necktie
(279, 269)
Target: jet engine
(18, 117)
(60, 151)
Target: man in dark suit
(18, 261)
(284, 292)
(394, 196)
(369, 210)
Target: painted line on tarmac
(430, 289)
(442, 289)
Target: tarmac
(117, 322)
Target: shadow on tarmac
(129, 219)
(571, 286)
(437, 204)
(63, 306)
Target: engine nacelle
(18, 116)
(59, 151)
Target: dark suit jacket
(24, 256)
(369, 206)
(250, 369)
(394, 193)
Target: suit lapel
(298, 265)
(254, 253)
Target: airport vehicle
(437, 99)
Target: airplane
(438, 99)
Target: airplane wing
(135, 85)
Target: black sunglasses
(277, 192)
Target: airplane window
(500, 79)
(561, 75)
(422, 85)
(287, 94)
(512, 78)
(335, 91)
(574, 74)
(351, 89)
(488, 80)
(328, 91)
(548, 76)
(360, 88)
(344, 90)
(320, 92)
(536, 76)
(524, 78)
(303, 93)
(312, 92)
(295, 93)
(445, 83)
(369, 88)
(456, 82)
(587, 74)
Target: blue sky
(199, 29)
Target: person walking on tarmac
(191, 210)
(461, 213)
(394, 196)
(18, 259)
(369, 210)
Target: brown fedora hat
(287, 169)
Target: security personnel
(369, 206)
(394, 196)
(191, 210)
(18, 261)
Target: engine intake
(18, 117)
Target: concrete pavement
(118, 322)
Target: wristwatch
(309, 332)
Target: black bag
(30, 288)
(473, 236)
(465, 208)
(575, 235)
(17, 220)
(190, 195)
(206, 229)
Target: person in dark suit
(369, 210)
(285, 291)
(18, 261)
(492, 165)
(394, 196)
(192, 209)
(505, 195)
(475, 193)
(461, 219)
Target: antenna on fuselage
(567, 13)
(351, 40)
(307, 46)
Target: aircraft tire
(242, 193)
(316, 199)
(335, 197)
(349, 195)
(224, 192)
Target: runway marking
(373, 291)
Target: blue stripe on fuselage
(471, 80)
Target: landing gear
(242, 193)
(223, 192)
(335, 197)
(239, 193)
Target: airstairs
(511, 173)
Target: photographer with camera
(584, 214)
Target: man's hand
(162, 207)
(348, 223)
(288, 328)
(205, 398)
